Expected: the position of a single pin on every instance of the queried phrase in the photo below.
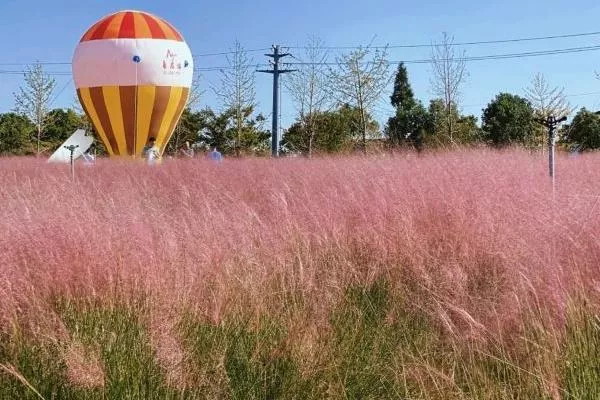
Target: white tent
(80, 139)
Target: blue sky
(49, 30)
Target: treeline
(335, 102)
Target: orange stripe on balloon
(99, 105)
(112, 100)
(99, 32)
(88, 106)
(169, 32)
(142, 30)
(86, 36)
(114, 27)
(129, 113)
(178, 35)
(131, 25)
(157, 32)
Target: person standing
(188, 151)
(215, 155)
(151, 152)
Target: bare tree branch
(449, 73)
(237, 90)
(33, 100)
(359, 80)
(196, 92)
(547, 100)
(308, 86)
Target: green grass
(374, 347)
(581, 366)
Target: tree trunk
(363, 128)
(311, 136)
(239, 132)
(39, 136)
(450, 126)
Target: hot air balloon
(133, 72)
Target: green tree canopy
(409, 122)
(507, 120)
(60, 125)
(584, 131)
(187, 130)
(402, 97)
(334, 131)
(224, 132)
(464, 127)
(15, 133)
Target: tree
(584, 131)
(465, 127)
(196, 92)
(410, 119)
(402, 96)
(308, 87)
(15, 132)
(33, 100)
(237, 91)
(449, 73)
(221, 131)
(546, 101)
(359, 80)
(334, 131)
(61, 124)
(508, 119)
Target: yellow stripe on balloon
(145, 103)
(112, 100)
(88, 105)
(169, 116)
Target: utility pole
(275, 117)
(551, 123)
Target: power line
(60, 92)
(484, 57)
(15, 72)
(569, 50)
(582, 94)
(224, 53)
(16, 64)
(410, 46)
(68, 73)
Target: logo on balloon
(172, 64)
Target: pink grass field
(473, 238)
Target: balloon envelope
(133, 72)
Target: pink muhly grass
(473, 238)
(84, 368)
